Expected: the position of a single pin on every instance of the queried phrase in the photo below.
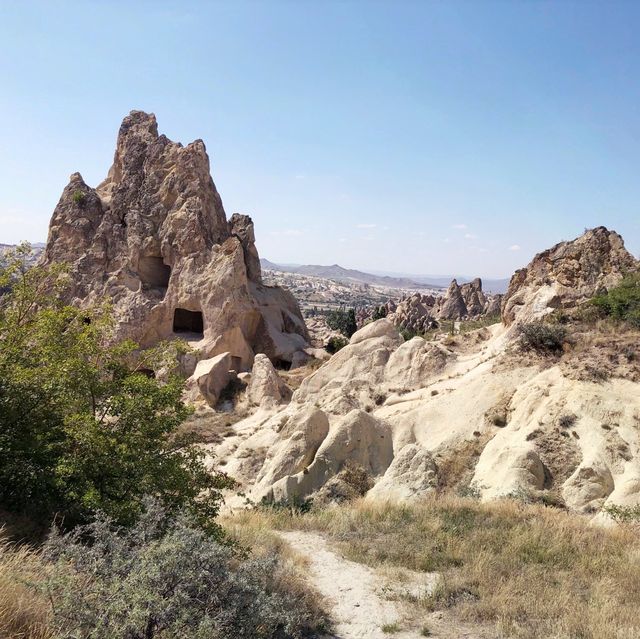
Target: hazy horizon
(406, 137)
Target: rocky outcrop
(265, 386)
(415, 312)
(566, 275)
(154, 240)
(453, 306)
(427, 415)
(474, 299)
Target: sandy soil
(364, 600)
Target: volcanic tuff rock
(566, 275)
(419, 312)
(466, 412)
(153, 238)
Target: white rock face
(408, 411)
(265, 385)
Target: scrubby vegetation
(527, 571)
(335, 344)
(542, 337)
(87, 436)
(343, 321)
(82, 429)
(165, 578)
(622, 303)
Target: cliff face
(567, 274)
(153, 238)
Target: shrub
(82, 430)
(165, 578)
(379, 312)
(567, 420)
(542, 337)
(343, 321)
(622, 302)
(79, 198)
(623, 514)
(335, 344)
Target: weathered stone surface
(265, 385)
(566, 275)
(153, 239)
(211, 377)
(453, 306)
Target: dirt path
(363, 602)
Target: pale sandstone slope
(408, 411)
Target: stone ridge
(153, 238)
(566, 275)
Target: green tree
(343, 321)
(379, 312)
(81, 428)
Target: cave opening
(153, 272)
(185, 321)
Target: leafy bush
(78, 198)
(343, 321)
(623, 301)
(165, 578)
(379, 312)
(82, 429)
(623, 514)
(335, 344)
(542, 337)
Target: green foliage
(343, 321)
(623, 514)
(542, 337)
(82, 430)
(379, 312)
(165, 578)
(335, 344)
(408, 333)
(78, 198)
(622, 302)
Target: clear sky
(415, 137)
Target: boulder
(265, 386)
(211, 376)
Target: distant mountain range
(341, 274)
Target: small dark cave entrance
(185, 321)
(281, 364)
(153, 272)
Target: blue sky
(417, 137)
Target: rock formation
(463, 413)
(154, 240)
(419, 312)
(566, 275)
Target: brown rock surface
(154, 240)
(566, 275)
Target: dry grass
(528, 570)
(24, 613)
(257, 536)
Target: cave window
(185, 321)
(281, 364)
(153, 272)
